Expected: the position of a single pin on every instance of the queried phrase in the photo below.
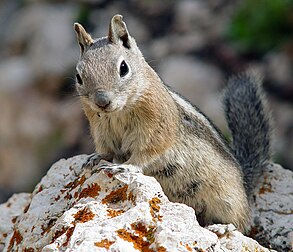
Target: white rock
(199, 17)
(278, 67)
(273, 208)
(176, 44)
(9, 212)
(49, 36)
(15, 73)
(197, 81)
(191, 15)
(187, 74)
(89, 210)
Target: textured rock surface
(9, 212)
(187, 75)
(75, 210)
(273, 208)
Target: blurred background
(194, 45)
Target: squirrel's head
(109, 69)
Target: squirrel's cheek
(120, 102)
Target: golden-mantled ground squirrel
(135, 119)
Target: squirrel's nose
(102, 99)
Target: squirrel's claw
(113, 168)
(92, 160)
(118, 168)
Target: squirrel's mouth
(101, 110)
(111, 108)
(106, 110)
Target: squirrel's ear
(84, 39)
(118, 31)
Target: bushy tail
(249, 121)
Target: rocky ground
(41, 119)
(75, 209)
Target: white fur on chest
(116, 133)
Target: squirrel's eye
(123, 69)
(78, 78)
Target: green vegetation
(261, 25)
(83, 14)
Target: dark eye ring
(78, 78)
(124, 69)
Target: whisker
(70, 78)
(80, 95)
(153, 60)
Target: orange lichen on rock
(68, 196)
(115, 196)
(59, 233)
(40, 189)
(113, 213)
(138, 242)
(155, 208)
(16, 238)
(110, 175)
(14, 219)
(26, 208)
(68, 234)
(188, 247)
(104, 243)
(91, 191)
(142, 230)
(161, 249)
(28, 250)
(68, 231)
(77, 182)
(142, 237)
(139, 228)
(83, 215)
(131, 197)
(266, 187)
(47, 228)
(57, 198)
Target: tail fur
(249, 121)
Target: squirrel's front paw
(118, 168)
(92, 160)
(95, 158)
